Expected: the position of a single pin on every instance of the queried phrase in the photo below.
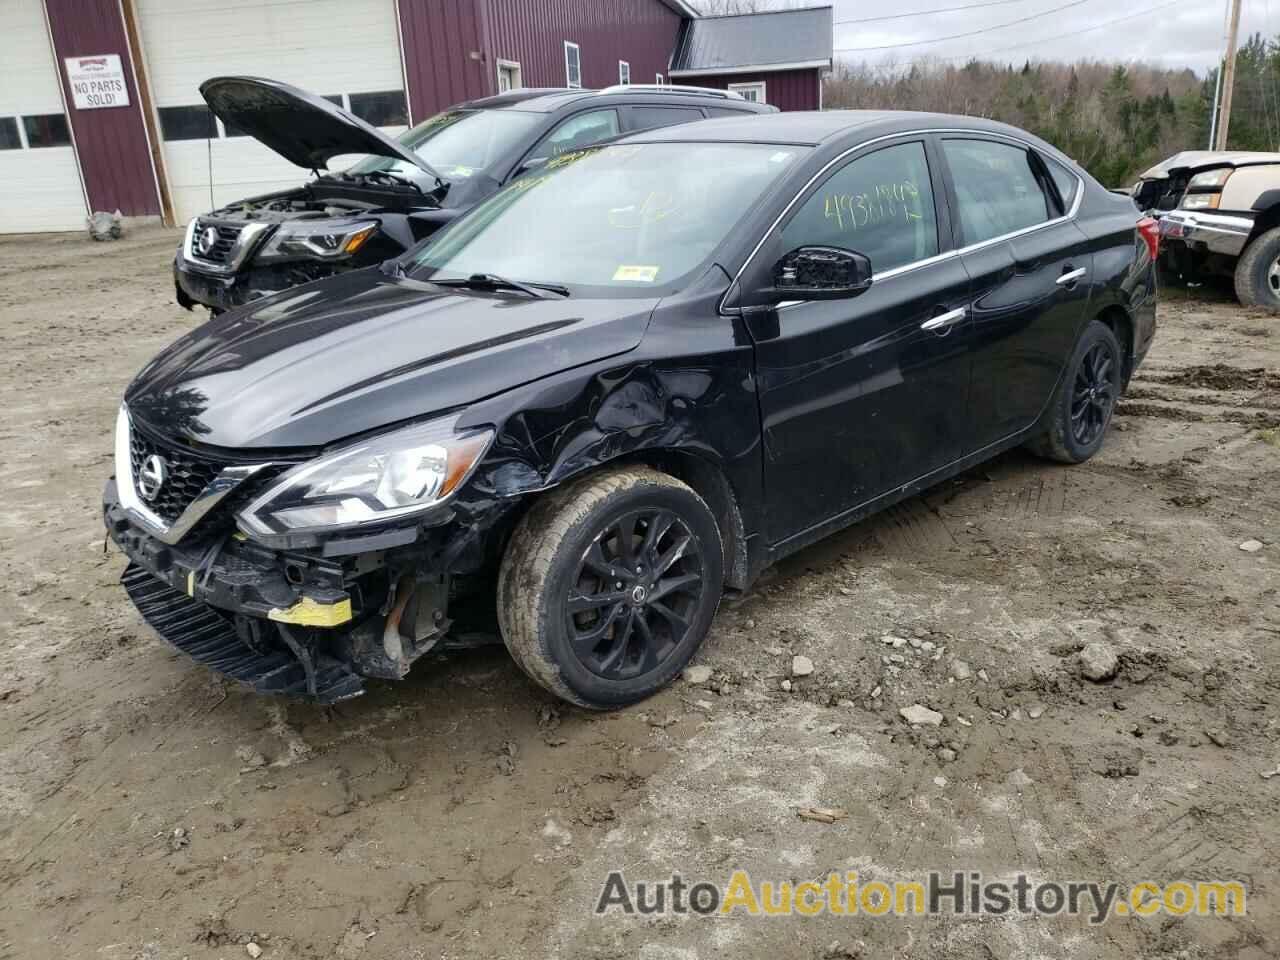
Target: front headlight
(316, 239)
(1210, 178)
(378, 479)
(1201, 201)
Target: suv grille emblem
(152, 476)
(206, 240)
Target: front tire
(1081, 408)
(609, 585)
(1258, 272)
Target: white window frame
(658, 79)
(568, 77)
(513, 65)
(758, 86)
(624, 72)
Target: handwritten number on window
(880, 204)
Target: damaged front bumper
(283, 622)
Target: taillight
(1149, 230)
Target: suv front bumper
(1220, 233)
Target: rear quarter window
(1068, 183)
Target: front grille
(220, 252)
(187, 475)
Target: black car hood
(304, 129)
(361, 351)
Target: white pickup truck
(1219, 212)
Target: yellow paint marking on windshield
(636, 274)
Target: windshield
(457, 144)
(625, 216)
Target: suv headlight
(316, 240)
(1210, 179)
(1201, 201)
(381, 478)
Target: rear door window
(579, 131)
(880, 205)
(646, 118)
(997, 190)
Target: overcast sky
(1184, 33)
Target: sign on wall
(97, 81)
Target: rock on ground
(1098, 662)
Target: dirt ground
(148, 810)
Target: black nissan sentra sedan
(621, 386)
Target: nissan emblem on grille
(152, 476)
(206, 240)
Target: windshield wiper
(490, 281)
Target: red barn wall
(452, 47)
(532, 33)
(785, 89)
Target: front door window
(880, 205)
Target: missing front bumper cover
(209, 637)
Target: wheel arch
(712, 484)
(1267, 215)
(1117, 318)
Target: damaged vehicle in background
(616, 389)
(404, 188)
(1219, 213)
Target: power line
(925, 13)
(1057, 36)
(960, 36)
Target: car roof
(550, 99)
(811, 128)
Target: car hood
(1192, 159)
(304, 129)
(363, 351)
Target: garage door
(349, 52)
(39, 181)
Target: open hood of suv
(304, 129)
(1192, 159)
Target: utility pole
(1229, 75)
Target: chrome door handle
(944, 320)
(1071, 277)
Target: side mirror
(818, 273)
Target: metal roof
(772, 40)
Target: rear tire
(1081, 408)
(1258, 272)
(609, 585)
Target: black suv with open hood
(404, 188)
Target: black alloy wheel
(1093, 394)
(1076, 420)
(635, 595)
(609, 585)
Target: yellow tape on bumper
(308, 613)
